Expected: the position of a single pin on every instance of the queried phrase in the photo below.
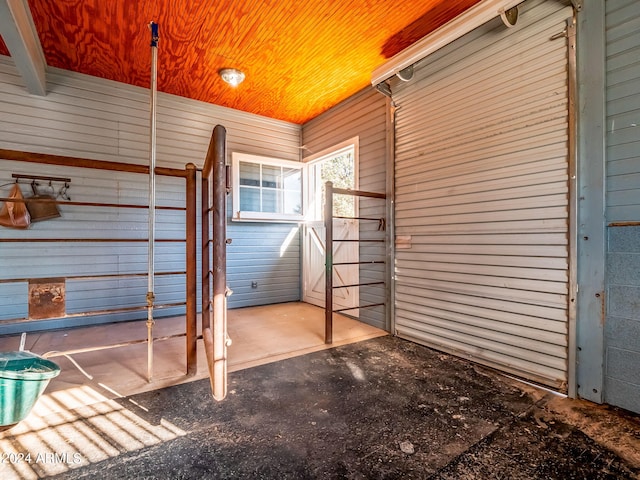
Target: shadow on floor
(379, 409)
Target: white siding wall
(482, 191)
(623, 107)
(622, 327)
(363, 115)
(92, 118)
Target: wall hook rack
(19, 176)
(32, 179)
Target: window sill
(263, 218)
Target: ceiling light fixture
(405, 74)
(232, 76)
(509, 17)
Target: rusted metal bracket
(18, 176)
(577, 4)
(383, 88)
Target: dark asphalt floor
(380, 409)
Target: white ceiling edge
(467, 21)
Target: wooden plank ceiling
(300, 57)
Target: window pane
(250, 174)
(271, 176)
(344, 205)
(292, 178)
(271, 189)
(270, 201)
(340, 170)
(292, 202)
(249, 199)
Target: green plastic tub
(23, 378)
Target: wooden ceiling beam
(19, 34)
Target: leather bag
(41, 206)
(15, 214)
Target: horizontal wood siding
(364, 116)
(88, 117)
(482, 196)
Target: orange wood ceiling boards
(300, 57)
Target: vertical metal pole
(390, 234)
(219, 266)
(152, 198)
(191, 281)
(573, 209)
(328, 263)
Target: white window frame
(250, 216)
(353, 145)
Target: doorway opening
(338, 164)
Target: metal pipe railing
(191, 250)
(358, 307)
(87, 240)
(329, 263)
(94, 276)
(215, 291)
(192, 274)
(97, 348)
(205, 275)
(77, 162)
(86, 204)
(94, 313)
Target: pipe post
(219, 186)
(152, 197)
(328, 263)
(191, 281)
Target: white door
(343, 275)
(337, 166)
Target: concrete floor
(259, 335)
(378, 408)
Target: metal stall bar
(214, 324)
(329, 263)
(205, 275)
(78, 162)
(358, 193)
(191, 250)
(32, 180)
(359, 306)
(95, 276)
(84, 204)
(85, 240)
(94, 313)
(219, 187)
(192, 275)
(56, 353)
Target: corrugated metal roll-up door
(482, 197)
